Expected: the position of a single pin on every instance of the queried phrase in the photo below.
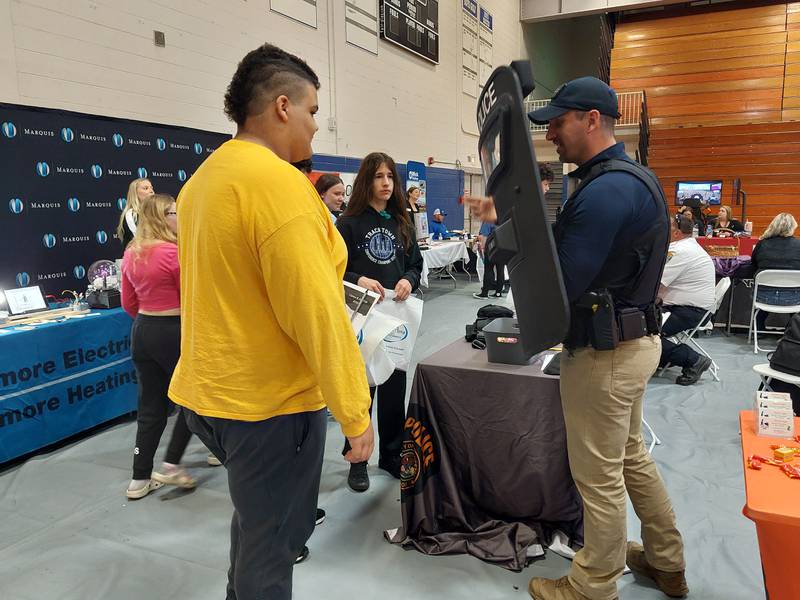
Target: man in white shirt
(687, 291)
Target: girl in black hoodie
(382, 254)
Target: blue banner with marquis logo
(64, 177)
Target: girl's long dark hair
(362, 194)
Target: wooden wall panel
(765, 156)
(685, 55)
(723, 95)
(702, 25)
(743, 48)
(737, 118)
(663, 82)
(724, 131)
(704, 66)
(692, 44)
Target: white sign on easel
(774, 414)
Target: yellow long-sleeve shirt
(264, 330)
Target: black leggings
(494, 276)
(391, 420)
(155, 348)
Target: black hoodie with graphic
(375, 250)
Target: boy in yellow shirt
(265, 339)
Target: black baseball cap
(584, 93)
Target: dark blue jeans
(680, 319)
(778, 297)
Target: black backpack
(486, 314)
(786, 357)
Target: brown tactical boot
(553, 589)
(672, 584)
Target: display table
(728, 247)
(772, 503)
(484, 462)
(440, 257)
(60, 378)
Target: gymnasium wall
(723, 95)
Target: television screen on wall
(708, 192)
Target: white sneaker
(213, 461)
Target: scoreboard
(412, 24)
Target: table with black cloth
(484, 463)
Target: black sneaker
(480, 296)
(303, 555)
(691, 375)
(320, 517)
(358, 479)
(498, 294)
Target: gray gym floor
(67, 531)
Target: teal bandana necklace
(385, 214)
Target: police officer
(612, 238)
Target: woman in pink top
(151, 294)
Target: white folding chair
(690, 335)
(655, 441)
(773, 278)
(767, 374)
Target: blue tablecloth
(61, 378)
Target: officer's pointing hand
(482, 208)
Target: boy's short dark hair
(306, 165)
(684, 224)
(263, 75)
(545, 172)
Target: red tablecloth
(742, 246)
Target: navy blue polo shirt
(609, 214)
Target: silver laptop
(25, 301)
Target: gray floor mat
(67, 531)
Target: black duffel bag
(486, 314)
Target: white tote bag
(399, 343)
(370, 342)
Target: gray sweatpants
(274, 468)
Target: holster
(603, 326)
(607, 326)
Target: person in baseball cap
(438, 229)
(581, 117)
(584, 94)
(616, 216)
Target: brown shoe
(553, 589)
(672, 584)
